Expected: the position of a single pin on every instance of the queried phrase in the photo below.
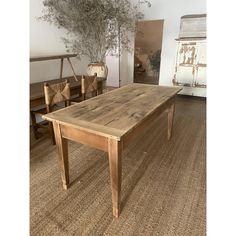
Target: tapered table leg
(115, 153)
(171, 111)
(62, 147)
(61, 69)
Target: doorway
(147, 53)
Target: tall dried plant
(94, 27)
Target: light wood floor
(163, 183)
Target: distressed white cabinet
(190, 67)
(190, 63)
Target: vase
(101, 69)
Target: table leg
(115, 153)
(72, 69)
(171, 111)
(62, 147)
(61, 69)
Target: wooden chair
(89, 88)
(55, 94)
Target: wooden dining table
(110, 122)
(37, 92)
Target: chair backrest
(89, 85)
(56, 93)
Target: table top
(115, 113)
(37, 91)
(51, 57)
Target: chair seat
(77, 99)
(43, 110)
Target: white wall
(112, 63)
(170, 11)
(45, 39)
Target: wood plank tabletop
(115, 113)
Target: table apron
(84, 137)
(146, 122)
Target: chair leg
(51, 132)
(34, 125)
(67, 103)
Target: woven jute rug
(163, 183)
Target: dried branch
(93, 26)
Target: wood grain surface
(117, 112)
(52, 57)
